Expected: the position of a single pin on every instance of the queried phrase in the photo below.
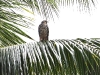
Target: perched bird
(43, 31)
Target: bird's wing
(47, 31)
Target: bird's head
(44, 22)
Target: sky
(71, 24)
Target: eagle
(43, 31)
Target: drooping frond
(10, 21)
(48, 8)
(55, 57)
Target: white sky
(71, 24)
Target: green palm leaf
(10, 21)
(55, 57)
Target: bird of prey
(43, 31)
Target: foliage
(10, 21)
(54, 57)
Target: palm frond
(55, 57)
(47, 8)
(10, 21)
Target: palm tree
(55, 57)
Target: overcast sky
(71, 24)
